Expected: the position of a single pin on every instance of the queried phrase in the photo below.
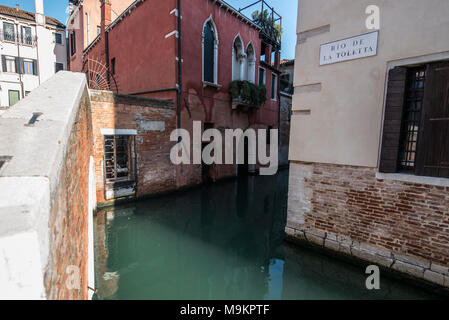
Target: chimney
(39, 9)
(71, 5)
(106, 14)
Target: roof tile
(12, 12)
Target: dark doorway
(243, 169)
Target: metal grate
(412, 117)
(116, 156)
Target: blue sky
(287, 9)
(52, 8)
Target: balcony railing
(267, 19)
(15, 37)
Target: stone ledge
(408, 268)
(415, 267)
(434, 277)
(439, 269)
(412, 260)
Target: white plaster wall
(50, 52)
(24, 203)
(346, 114)
(46, 52)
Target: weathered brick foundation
(399, 225)
(69, 213)
(155, 172)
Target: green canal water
(221, 241)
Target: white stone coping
(121, 132)
(30, 177)
(413, 266)
(441, 182)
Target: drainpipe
(106, 13)
(106, 40)
(179, 67)
(37, 57)
(278, 93)
(20, 62)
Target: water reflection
(220, 241)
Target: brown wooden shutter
(35, 68)
(433, 145)
(19, 65)
(394, 107)
(4, 63)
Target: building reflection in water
(218, 241)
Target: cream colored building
(370, 132)
(32, 49)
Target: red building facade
(188, 51)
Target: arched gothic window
(251, 63)
(210, 52)
(238, 59)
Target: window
(26, 36)
(411, 118)
(28, 67)
(27, 93)
(98, 30)
(251, 64)
(14, 97)
(8, 32)
(59, 67)
(263, 52)
(274, 86)
(416, 123)
(9, 64)
(210, 52)
(118, 160)
(58, 38)
(238, 59)
(262, 76)
(73, 43)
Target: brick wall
(69, 212)
(400, 225)
(155, 172)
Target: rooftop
(287, 62)
(22, 14)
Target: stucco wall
(84, 20)
(228, 28)
(337, 200)
(284, 130)
(346, 99)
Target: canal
(221, 241)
